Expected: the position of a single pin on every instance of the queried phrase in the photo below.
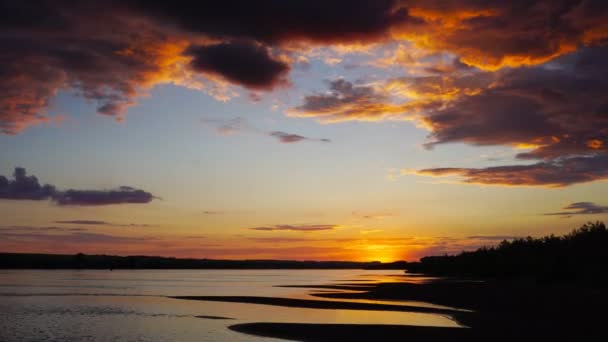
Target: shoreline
(318, 304)
(497, 311)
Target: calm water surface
(127, 305)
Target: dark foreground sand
(509, 310)
(352, 332)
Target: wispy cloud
(299, 228)
(580, 208)
(372, 215)
(493, 237)
(85, 222)
(240, 125)
(288, 138)
(74, 237)
(104, 223)
(212, 212)
(21, 229)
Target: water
(131, 305)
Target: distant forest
(580, 255)
(83, 261)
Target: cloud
(111, 52)
(493, 237)
(74, 237)
(372, 215)
(299, 228)
(276, 21)
(492, 35)
(557, 110)
(238, 125)
(90, 49)
(557, 113)
(121, 195)
(22, 229)
(275, 240)
(103, 223)
(24, 187)
(288, 138)
(581, 208)
(228, 126)
(212, 212)
(347, 101)
(243, 63)
(557, 173)
(84, 222)
(489, 35)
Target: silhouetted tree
(581, 255)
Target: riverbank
(499, 310)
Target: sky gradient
(311, 130)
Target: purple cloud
(24, 187)
(581, 208)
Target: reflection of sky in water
(128, 305)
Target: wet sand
(317, 304)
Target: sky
(311, 130)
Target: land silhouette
(532, 289)
(84, 261)
(581, 255)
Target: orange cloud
(493, 35)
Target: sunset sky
(311, 130)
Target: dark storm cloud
(581, 208)
(276, 21)
(24, 187)
(243, 63)
(300, 228)
(112, 51)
